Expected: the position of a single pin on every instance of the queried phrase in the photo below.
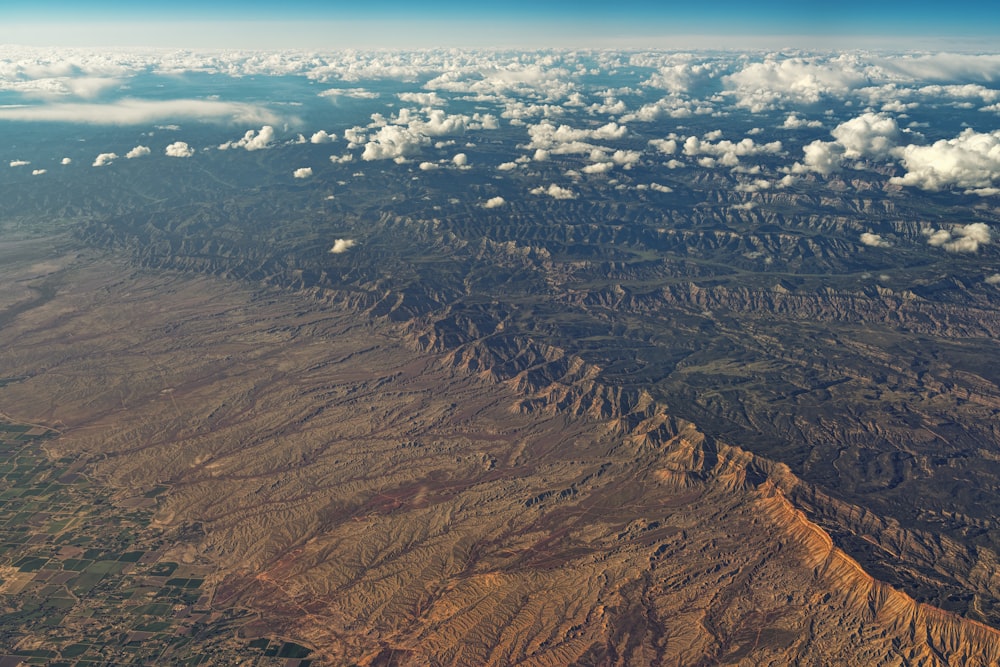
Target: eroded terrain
(354, 485)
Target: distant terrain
(568, 359)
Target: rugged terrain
(448, 486)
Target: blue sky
(389, 23)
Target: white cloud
(356, 93)
(794, 122)
(252, 140)
(554, 191)
(139, 112)
(868, 135)
(341, 159)
(423, 99)
(766, 85)
(598, 168)
(428, 166)
(38, 172)
(874, 240)
(656, 187)
(993, 279)
(494, 202)
(303, 172)
(961, 238)
(19, 163)
(946, 67)
(665, 146)
(66, 160)
(460, 160)
(138, 151)
(179, 149)
(506, 166)
(322, 137)
(394, 141)
(342, 245)
(104, 159)
(728, 153)
(970, 160)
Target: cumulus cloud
(394, 141)
(655, 187)
(303, 172)
(66, 160)
(728, 153)
(665, 146)
(869, 135)
(342, 245)
(38, 172)
(409, 131)
(341, 159)
(423, 99)
(993, 279)
(252, 140)
(874, 240)
(322, 137)
(598, 168)
(554, 191)
(506, 166)
(139, 112)
(766, 85)
(794, 122)
(971, 160)
(460, 160)
(138, 151)
(179, 149)
(494, 202)
(104, 159)
(428, 166)
(19, 163)
(961, 238)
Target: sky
(312, 24)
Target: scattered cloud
(554, 191)
(303, 172)
(322, 137)
(874, 240)
(38, 172)
(961, 238)
(494, 202)
(105, 159)
(138, 151)
(794, 122)
(179, 149)
(66, 160)
(460, 160)
(993, 279)
(19, 163)
(727, 153)
(424, 99)
(342, 245)
(252, 140)
(428, 166)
